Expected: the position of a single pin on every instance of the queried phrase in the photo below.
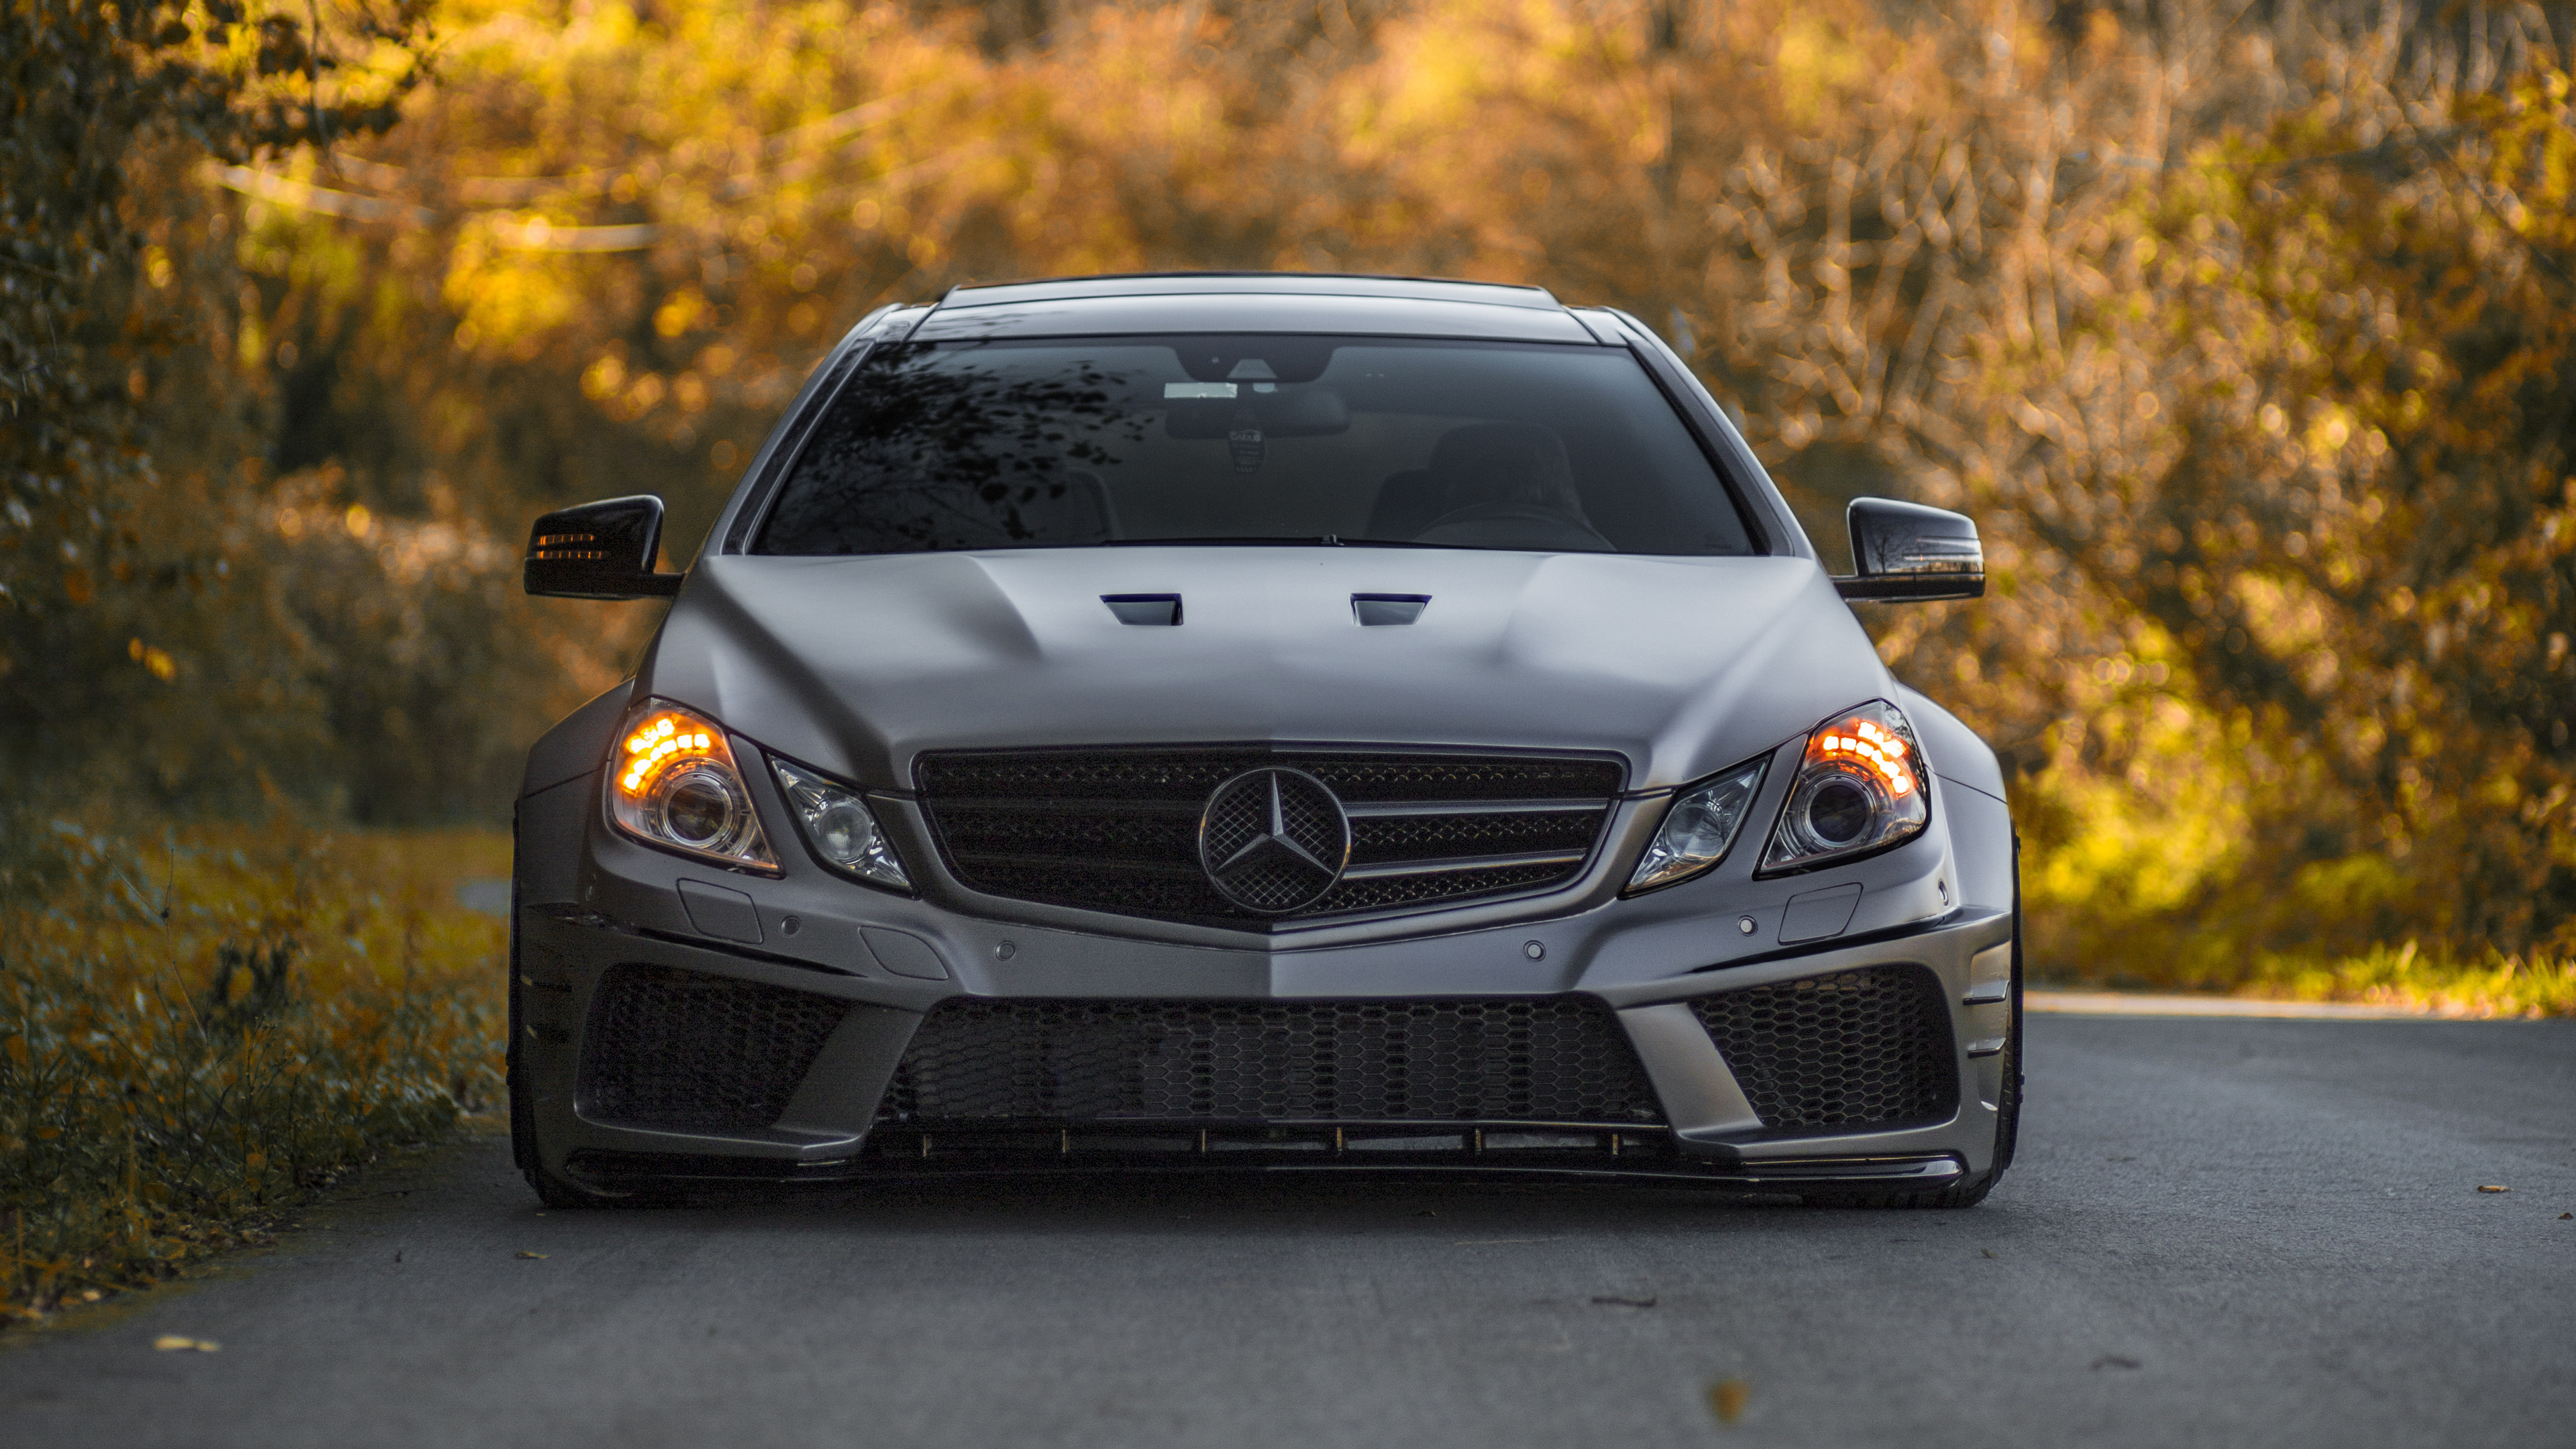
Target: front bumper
(848, 976)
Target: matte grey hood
(1683, 666)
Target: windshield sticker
(1244, 440)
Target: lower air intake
(1543, 1059)
(1855, 1049)
(694, 1053)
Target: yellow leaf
(1726, 1399)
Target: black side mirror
(600, 551)
(1905, 551)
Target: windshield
(1091, 442)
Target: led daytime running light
(650, 750)
(1876, 748)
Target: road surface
(2220, 1232)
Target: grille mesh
(1414, 890)
(697, 1053)
(1407, 836)
(1531, 1059)
(1117, 829)
(1854, 1048)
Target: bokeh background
(2244, 330)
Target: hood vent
(1373, 610)
(1144, 608)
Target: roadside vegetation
(200, 1027)
(2404, 976)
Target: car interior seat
(1406, 503)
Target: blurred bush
(198, 1030)
(2241, 331)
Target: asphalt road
(2220, 1232)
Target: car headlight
(840, 827)
(1860, 788)
(1701, 824)
(674, 784)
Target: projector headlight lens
(1860, 788)
(673, 783)
(1702, 822)
(840, 827)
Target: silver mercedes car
(1262, 722)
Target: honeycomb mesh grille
(688, 1052)
(1529, 1059)
(1855, 1048)
(1118, 829)
(1459, 835)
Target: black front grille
(1525, 1059)
(687, 1052)
(1854, 1049)
(1117, 829)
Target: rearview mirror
(1305, 412)
(1905, 551)
(600, 550)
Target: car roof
(1308, 284)
(1253, 302)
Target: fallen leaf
(2562, 1217)
(525, 1254)
(1989, 1252)
(1626, 1302)
(2490, 1187)
(2113, 1360)
(172, 1343)
(1427, 1213)
(1726, 1399)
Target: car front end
(1482, 848)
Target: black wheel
(552, 1189)
(2007, 1106)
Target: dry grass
(199, 1029)
(2497, 986)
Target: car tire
(2007, 1107)
(552, 1189)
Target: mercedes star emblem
(1274, 840)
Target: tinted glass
(1060, 443)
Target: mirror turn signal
(602, 550)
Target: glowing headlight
(1699, 827)
(840, 827)
(1859, 788)
(673, 783)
